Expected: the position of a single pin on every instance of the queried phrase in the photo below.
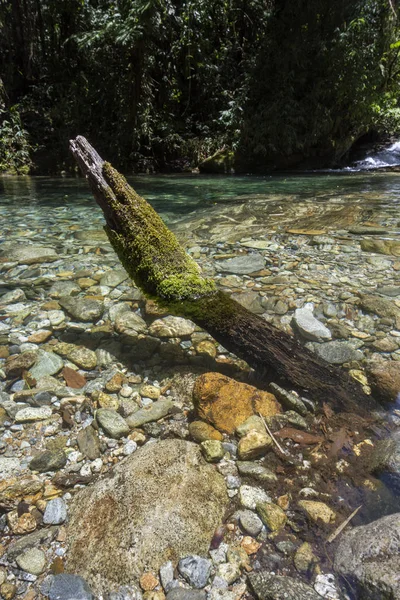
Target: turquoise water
(178, 196)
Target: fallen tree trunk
(157, 263)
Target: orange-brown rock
(226, 403)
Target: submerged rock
(162, 503)
(308, 326)
(384, 379)
(369, 557)
(242, 265)
(226, 403)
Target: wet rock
(271, 515)
(336, 352)
(196, 570)
(384, 379)
(268, 586)
(48, 461)
(242, 265)
(212, 450)
(15, 365)
(172, 327)
(112, 423)
(82, 309)
(47, 363)
(32, 540)
(30, 254)
(8, 590)
(369, 557)
(130, 324)
(114, 277)
(304, 559)
(20, 525)
(164, 497)
(55, 513)
(389, 247)
(289, 400)
(88, 443)
(253, 445)
(251, 301)
(14, 489)
(317, 511)
(153, 412)
(201, 432)
(69, 587)
(32, 561)
(253, 423)
(64, 288)
(33, 414)
(256, 471)
(229, 572)
(308, 326)
(83, 357)
(379, 306)
(226, 403)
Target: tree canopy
(161, 84)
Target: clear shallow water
(179, 196)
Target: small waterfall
(387, 157)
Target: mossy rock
(220, 163)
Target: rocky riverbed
(138, 458)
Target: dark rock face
(162, 503)
(369, 557)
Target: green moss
(149, 252)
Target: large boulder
(162, 503)
(369, 558)
(226, 403)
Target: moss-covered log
(157, 263)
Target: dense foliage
(163, 83)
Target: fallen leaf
(340, 439)
(328, 412)
(300, 437)
(72, 378)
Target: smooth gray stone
(32, 561)
(55, 512)
(242, 265)
(195, 569)
(267, 586)
(47, 363)
(114, 277)
(112, 423)
(69, 587)
(150, 413)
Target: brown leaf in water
(340, 439)
(328, 412)
(300, 437)
(72, 378)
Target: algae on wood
(157, 263)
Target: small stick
(339, 530)
(273, 438)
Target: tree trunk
(158, 264)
